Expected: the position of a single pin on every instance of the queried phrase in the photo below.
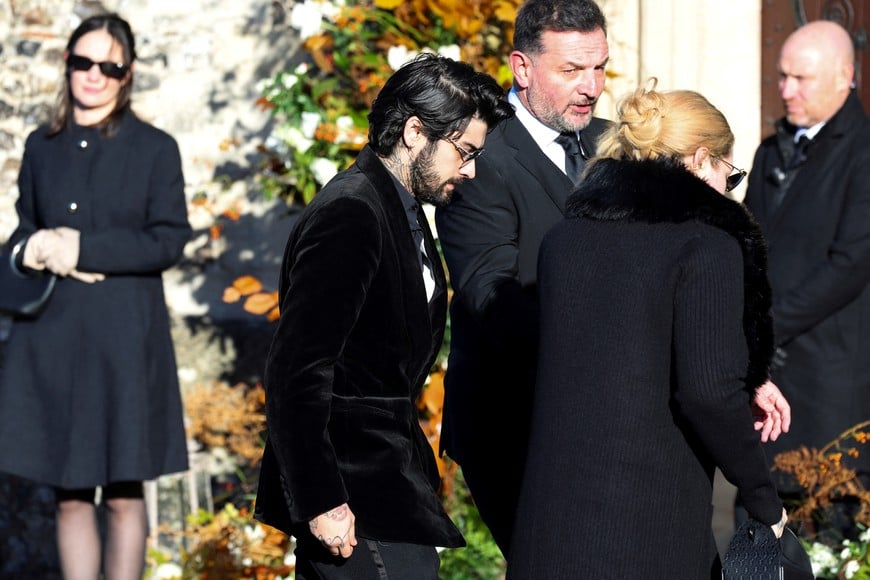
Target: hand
(36, 249)
(779, 527)
(62, 251)
(336, 531)
(771, 411)
(87, 277)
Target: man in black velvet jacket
(347, 468)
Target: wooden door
(779, 18)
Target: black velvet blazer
(353, 348)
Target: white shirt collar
(543, 135)
(810, 132)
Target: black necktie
(425, 262)
(799, 154)
(574, 160)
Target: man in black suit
(491, 234)
(810, 190)
(347, 469)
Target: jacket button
(73, 207)
(83, 144)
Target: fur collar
(655, 191)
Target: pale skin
(440, 161)
(770, 409)
(816, 70)
(561, 84)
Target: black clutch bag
(22, 294)
(756, 554)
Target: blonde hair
(653, 124)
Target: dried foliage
(825, 476)
(230, 417)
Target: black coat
(654, 332)
(353, 348)
(820, 273)
(491, 233)
(89, 392)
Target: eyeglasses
(736, 177)
(113, 70)
(464, 154)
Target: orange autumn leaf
(432, 397)
(261, 302)
(233, 214)
(388, 4)
(274, 314)
(231, 295)
(247, 285)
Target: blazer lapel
(528, 155)
(410, 280)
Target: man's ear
(413, 136)
(520, 64)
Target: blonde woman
(655, 338)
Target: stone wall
(196, 78)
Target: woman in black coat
(89, 391)
(655, 335)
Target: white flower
(294, 138)
(167, 571)
(845, 553)
(310, 122)
(450, 51)
(823, 559)
(851, 568)
(306, 18)
(399, 55)
(323, 170)
(255, 532)
(289, 81)
(301, 69)
(290, 559)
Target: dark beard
(425, 186)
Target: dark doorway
(780, 17)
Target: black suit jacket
(819, 241)
(354, 345)
(490, 235)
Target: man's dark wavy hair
(443, 93)
(538, 16)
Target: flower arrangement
(825, 477)
(351, 47)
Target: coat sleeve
(25, 205)
(710, 358)
(157, 243)
(836, 281)
(479, 233)
(329, 267)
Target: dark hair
(538, 16)
(120, 31)
(443, 93)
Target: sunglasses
(736, 177)
(113, 70)
(465, 155)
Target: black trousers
(370, 560)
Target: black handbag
(22, 293)
(755, 553)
